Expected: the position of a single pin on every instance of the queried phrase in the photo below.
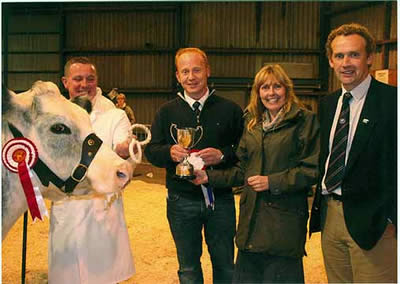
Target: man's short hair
(194, 50)
(78, 59)
(350, 29)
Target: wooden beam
(386, 34)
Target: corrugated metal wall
(33, 47)
(233, 25)
(219, 24)
(241, 37)
(290, 25)
(134, 34)
(133, 44)
(134, 71)
(120, 29)
(393, 35)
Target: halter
(137, 158)
(90, 146)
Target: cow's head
(58, 128)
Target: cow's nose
(124, 174)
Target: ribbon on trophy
(19, 155)
(198, 164)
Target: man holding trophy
(197, 129)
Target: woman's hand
(258, 183)
(201, 177)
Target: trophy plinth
(185, 138)
(184, 170)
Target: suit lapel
(365, 125)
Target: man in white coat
(88, 238)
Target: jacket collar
(295, 113)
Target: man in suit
(356, 199)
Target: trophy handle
(201, 135)
(173, 125)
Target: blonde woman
(278, 155)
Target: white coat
(88, 240)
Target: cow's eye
(60, 128)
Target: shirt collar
(361, 90)
(121, 107)
(202, 100)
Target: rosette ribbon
(19, 155)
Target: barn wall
(133, 44)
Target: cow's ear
(5, 99)
(11, 102)
(36, 107)
(83, 102)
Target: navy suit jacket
(369, 187)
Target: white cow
(58, 129)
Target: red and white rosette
(19, 155)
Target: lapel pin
(365, 120)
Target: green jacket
(275, 221)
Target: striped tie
(335, 172)
(196, 109)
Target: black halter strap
(90, 147)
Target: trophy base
(185, 177)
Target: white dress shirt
(202, 100)
(356, 104)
